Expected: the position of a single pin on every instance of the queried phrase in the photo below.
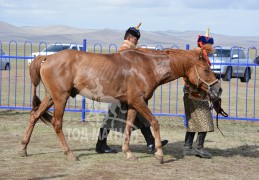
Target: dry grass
(235, 157)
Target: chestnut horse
(129, 76)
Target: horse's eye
(207, 70)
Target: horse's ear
(208, 48)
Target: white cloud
(224, 17)
(221, 4)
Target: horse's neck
(169, 70)
(165, 68)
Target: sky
(227, 17)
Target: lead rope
(219, 110)
(217, 122)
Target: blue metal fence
(240, 100)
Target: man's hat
(207, 34)
(206, 39)
(134, 31)
(210, 40)
(202, 39)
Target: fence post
(83, 98)
(187, 47)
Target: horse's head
(201, 75)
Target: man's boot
(203, 153)
(101, 145)
(146, 131)
(188, 150)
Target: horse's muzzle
(215, 91)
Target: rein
(219, 110)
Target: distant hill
(66, 34)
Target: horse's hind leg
(34, 117)
(59, 107)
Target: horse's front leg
(132, 113)
(143, 109)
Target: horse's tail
(35, 79)
(35, 70)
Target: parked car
(4, 62)
(256, 61)
(234, 63)
(152, 47)
(53, 48)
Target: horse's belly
(97, 96)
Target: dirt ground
(234, 157)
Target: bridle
(209, 85)
(200, 79)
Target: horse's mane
(151, 51)
(207, 47)
(175, 54)
(146, 52)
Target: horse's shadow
(12, 112)
(252, 151)
(176, 151)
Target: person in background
(198, 113)
(117, 120)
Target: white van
(53, 48)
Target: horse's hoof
(159, 158)
(22, 153)
(72, 157)
(132, 158)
